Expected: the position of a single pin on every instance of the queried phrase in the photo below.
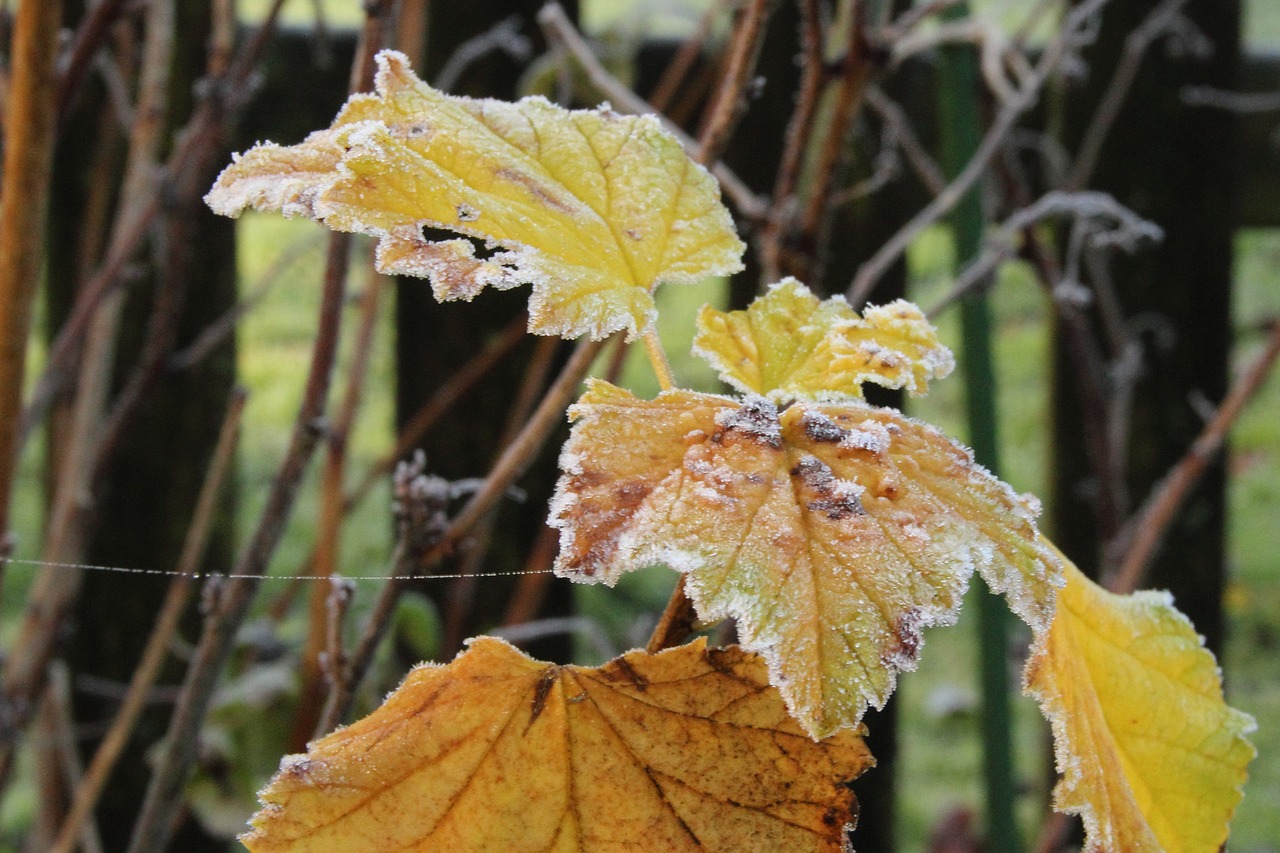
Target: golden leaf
(789, 346)
(594, 209)
(689, 749)
(833, 534)
(1150, 754)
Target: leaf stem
(658, 358)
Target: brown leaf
(689, 749)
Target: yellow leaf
(789, 346)
(594, 209)
(1150, 754)
(688, 750)
(833, 534)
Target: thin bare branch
(157, 647)
(84, 46)
(1075, 28)
(1158, 23)
(153, 827)
(504, 36)
(1104, 222)
(417, 553)
(729, 101)
(673, 76)
(895, 117)
(331, 516)
(54, 591)
(1141, 537)
(24, 198)
(799, 128)
(1236, 102)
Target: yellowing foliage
(833, 534)
(1150, 754)
(787, 345)
(686, 750)
(594, 209)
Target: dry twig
(1141, 536)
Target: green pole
(960, 129)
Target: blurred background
(1108, 277)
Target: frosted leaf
(832, 534)
(594, 209)
(787, 345)
(686, 750)
(1151, 756)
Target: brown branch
(799, 128)
(531, 586)
(1136, 45)
(153, 829)
(24, 198)
(439, 404)
(677, 70)
(84, 46)
(223, 94)
(730, 99)
(54, 592)
(414, 561)
(462, 590)
(164, 793)
(329, 522)
(856, 68)
(1010, 112)
(435, 407)
(1141, 537)
(157, 647)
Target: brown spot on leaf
(540, 693)
(904, 644)
(756, 421)
(631, 673)
(537, 190)
(836, 500)
(821, 428)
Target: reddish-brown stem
(531, 587)
(674, 75)
(855, 72)
(1141, 537)
(439, 404)
(730, 99)
(88, 38)
(153, 655)
(28, 153)
(153, 827)
(797, 140)
(462, 590)
(510, 465)
(329, 523)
